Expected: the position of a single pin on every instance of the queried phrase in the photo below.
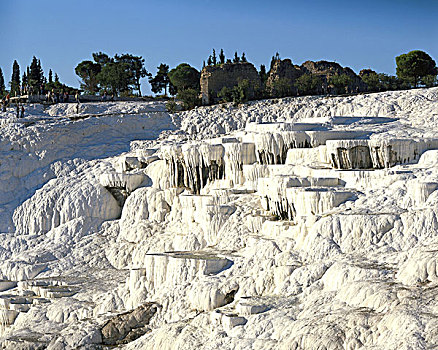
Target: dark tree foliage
(189, 97)
(51, 76)
(281, 88)
(222, 57)
(308, 84)
(236, 58)
(414, 66)
(237, 94)
(213, 57)
(24, 80)
(263, 75)
(184, 77)
(120, 74)
(209, 61)
(116, 78)
(274, 59)
(2, 83)
(371, 78)
(15, 80)
(172, 89)
(88, 72)
(340, 83)
(36, 75)
(161, 80)
(390, 82)
(136, 68)
(101, 58)
(243, 59)
(429, 80)
(272, 62)
(203, 64)
(56, 78)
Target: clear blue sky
(358, 34)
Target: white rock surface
(299, 223)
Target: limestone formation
(303, 223)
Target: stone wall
(214, 78)
(324, 70)
(283, 69)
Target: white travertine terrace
(299, 223)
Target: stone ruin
(214, 78)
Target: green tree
(15, 80)
(222, 57)
(136, 68)
(340, 82)
(243, 59)
(161, 80)
(429, 80)
(56, 78)
(88, 72)
(372, 79)
(263, 75)
(24, 80)
(184, 77)
(115, 77)
(238, 94)
(36, 74)
(414, 66)
(51, 76)
(308, 84)
(171, 106)
(274, 59)
(241, 92)
(101, 58)
(2, 83)
(189, 97)
(390, 82)
(209, 61)
(213, 58)
(225, 94)
(236, 58)
(281, 88)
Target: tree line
(32, 81)
(121, 76)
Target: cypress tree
(24, 80)
(209, 61)
(15, 80)
(214, 57)
(243, 59)
(56, 78)
(35, 76)
(262, 73)
(236, 58)
(50, 76)
(222, 57)
(272, 62)
(2, 82)
(41, 71)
